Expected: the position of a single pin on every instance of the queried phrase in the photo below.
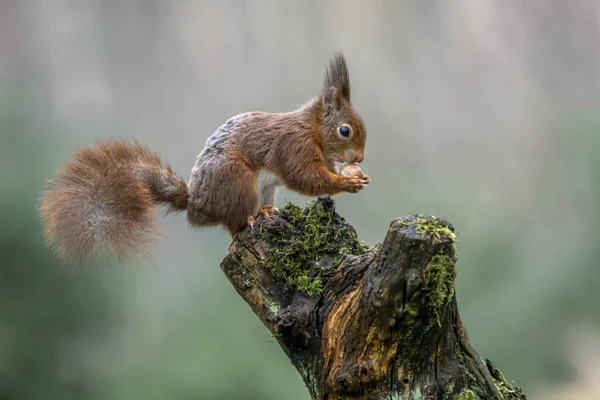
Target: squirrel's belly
(267, 187)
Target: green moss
(466, 395)
(410, 311)
(508, 391)
(313, 241)
(439, 276)
(434, 227)
(439, 273)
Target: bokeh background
(484, 112)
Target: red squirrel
(102, 203)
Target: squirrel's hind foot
(267, 209)
(251, 221)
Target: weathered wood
(359, 322)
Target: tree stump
(362, 322)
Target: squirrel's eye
(344, 131)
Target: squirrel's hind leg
(231, 193)
(268, 183)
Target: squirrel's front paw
(353, 184)
(355, 171)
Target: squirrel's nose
(358, 158)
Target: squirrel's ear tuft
(331, 99)
(337, 76)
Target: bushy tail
(102, 203)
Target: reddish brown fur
(102, 202)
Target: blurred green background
(484, 112)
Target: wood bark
(384, 323)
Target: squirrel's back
(103, 201)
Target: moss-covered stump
(360, 322)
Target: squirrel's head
(344, 132)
